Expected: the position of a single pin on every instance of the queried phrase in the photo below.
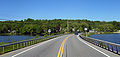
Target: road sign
(86, 31)
(49, 30)
(85, 28)
(73, 29)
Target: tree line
(57, 26)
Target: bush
(46, 35)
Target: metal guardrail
(14, 46)
(115, 48)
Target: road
(63, 46)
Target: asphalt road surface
(63, 46)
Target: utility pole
(67, 26)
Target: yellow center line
(60, 53)
(62, 49)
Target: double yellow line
(60, 53)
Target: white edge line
(93, 47)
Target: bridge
(63, 46)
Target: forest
(57, 26)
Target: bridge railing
(115, 48)
(14, 46)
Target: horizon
(57, 19)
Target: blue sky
(102, 10)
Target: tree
(31, 26)
(107, 27)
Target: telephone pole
(67, 26)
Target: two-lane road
(63, 46)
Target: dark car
(76, 33)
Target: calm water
(14, 38)
(115, 38)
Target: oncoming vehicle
(76, 33)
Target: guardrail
(115, 48)
(14, 46)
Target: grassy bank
(97, 33)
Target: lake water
(14, 38)
(115, 38)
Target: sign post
(49, 30)
(73, 29)
(86, 31)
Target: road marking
(92, 47)
(60, 53)
(60, 50)
(32, 47)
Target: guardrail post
(13, 46)
(21, 45)
(107, 46)
(98, 43)
(17, 46)
(26, 43)
(102, 44)
(29, 42)
(117, 50)
(33, 41)
(3, 49)
(112, 49)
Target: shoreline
(116, 32)
(102, 33)
(92, 33)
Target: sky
(95, 10)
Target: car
(76, 33)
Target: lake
(115, 38)
(14, 38)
